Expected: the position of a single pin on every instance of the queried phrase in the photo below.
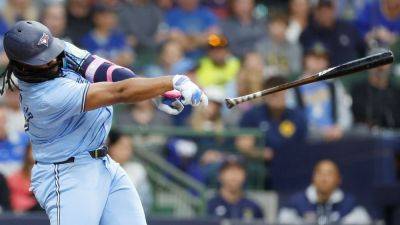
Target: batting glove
(191, 93)
(169, 102)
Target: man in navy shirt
(323, 202)
(230, 202)
(338, 36)
(282, 126)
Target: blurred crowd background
(319, 154)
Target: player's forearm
(139, 89)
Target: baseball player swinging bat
(358, 65)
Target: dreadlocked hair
(7, 80)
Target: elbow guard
(96, 69)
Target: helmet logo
(44, 40)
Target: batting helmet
(31, 43)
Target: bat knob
(229, 103)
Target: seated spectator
(21, 198)
(121, 150)
(336, 35)
(141, 34)
(231, 202)
(219, 67)
(324, 201)
(282, 126)
(281, 56)
(242, 28)
(190, 24)
(299, 13)
(326, 103)
(218, 7)
(12, 147)
(78, 19)
(4, 195)
(251, 75)
(15, 10)
(143, 115)
(376, 99)
(105, 40)
(379, 21)
(15, 117)
(54, 17)
(172, 60)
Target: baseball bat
(347, 68)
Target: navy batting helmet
(31, 43)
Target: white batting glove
(169, 102)
(191, 93)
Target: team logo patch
(44, 40)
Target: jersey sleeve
(65, 99)
(74, 57)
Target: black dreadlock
(7, 79)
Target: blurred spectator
(379, 21)
(172, 60)
(15, 118)
(121, 150)
(143, 115)
(182, 153)
(251, 74)
(105, 40)
(231, 201)
(4, 195)
(376, 99)
(190, 24)
(326, 103)
(22, 199)
(78, 19)
(338, 36)
(3, 30)
(55, 18)
(299, 13)
(281, 56)
(15, 10)
(219, 7)
(241, 28)
(219, 67)
(147, 18)
(282, 126)
(12, 147)
(165, 5)
(323, 202)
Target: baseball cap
(317, 49)
(31, 43)
(325, 3)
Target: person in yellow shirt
(219, 67)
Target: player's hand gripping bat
(358, 65)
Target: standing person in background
(231, 202)
(54, 16)
(15, 10)
(281, 126)
(21, 198)
(219, 67)
(299, 16)
(323, 202)
(121, 150)
(326, 103)
(376, 99)
(281, 56)
(242, 28)
(379, 21)
(78, 19)
(336, 35)
(105, 40)
(190, 24)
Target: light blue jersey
(55, 121)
